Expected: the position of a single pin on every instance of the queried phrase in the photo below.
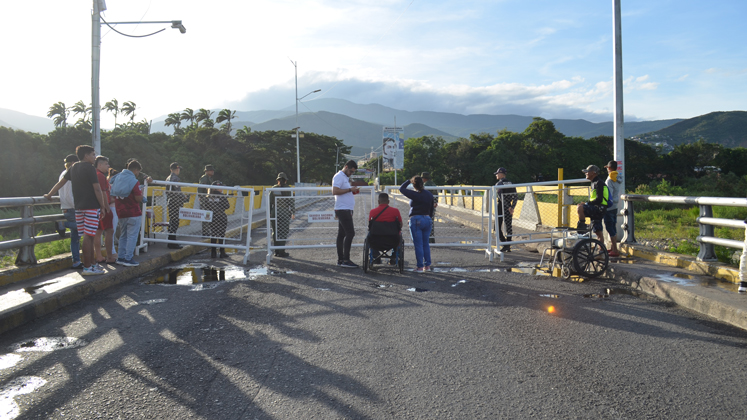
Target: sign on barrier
(196, 215)
(322, 216)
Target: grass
(675, 227)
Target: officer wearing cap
(507, 200)
(175, 200)
(428, 182)
(597, 207)
(207, 179)
(281, 212)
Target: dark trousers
(174, 206)
(345, 233)
(281, 233)
(508, 220)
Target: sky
(548, 58)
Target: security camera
(177, 24)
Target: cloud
(574, 98)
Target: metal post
(298, 147)
(560, 198)
(98, 7)
(26, 255)
(628, 226)
(619, 151)
(707, 251)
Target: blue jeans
(420, 230)
(129, 228)
(74, 237)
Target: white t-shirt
(343, 201)
(66, 194)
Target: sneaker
(506, 248)
(92, 271)
(120, 261)
(339, 263)
(78, 266)
(348, 264)
(582, 227)
(130, 263)
(742, 287)
(420, 270)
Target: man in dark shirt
(207, 179)
(281, 213)
(384, 213)
(595, 208)
(507, 200)
(90, 202)
(175, 199)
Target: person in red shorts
(106, 225)
(384, 213)
(90, 204)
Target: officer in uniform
(507, 200)
(207, 179)
(175, 200)
(286, 209)
(427, 182)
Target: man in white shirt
(344, 205)
(68, 208)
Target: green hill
(725, 128)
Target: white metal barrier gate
(463, 217)
(305, 218)
(530, 218)
(224, 214)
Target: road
(310, 340)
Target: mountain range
(360, 126)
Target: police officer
(175, 200)
(427, 182)
(507, 200)
(207, 179)
(286, 209)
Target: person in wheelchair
(597, 207)
(384, 230)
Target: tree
(113, 107)
(84, 121)
(173, 119)
(188, 115)
(204, 115)
(128, 109)
(424, 154)
(226, 115)
(58, 113)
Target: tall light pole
(619, 135)
(98, 7)
(298, 147)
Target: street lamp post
(98, 7)
(298, 147)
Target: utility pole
(98, 7)
(619, 151)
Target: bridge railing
(27, 222)
(707, 234)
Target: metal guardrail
(707, 237)
(27, 221)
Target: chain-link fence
(182, 213)
(305, 217)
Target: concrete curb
(671, 292)
(714, 269)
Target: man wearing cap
(507, 200)
(207, 179)
(281, 212)
(597, 207)
(427, 182)
(67, 205)
(610, 216)
(175, 199)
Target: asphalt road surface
(309, 340)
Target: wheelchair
(576, 253)
(385, 238)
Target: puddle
(18, 386)
(458, 283)
(629, 292)
(203, 286)
(597, 296)
(192, 274)
(417, 289)
(443, 263)
(528, 270)
(550, 296)
(381, 286)
(49, 344)
(152, 302)
(8, 361)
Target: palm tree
(204, 115)
(58, 113)
(128, 109)
(173, 119)
(188, 115)
(80, 108)
(226, 115)
(113, 107)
